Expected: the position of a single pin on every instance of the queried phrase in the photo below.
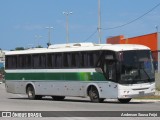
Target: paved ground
(12, 102)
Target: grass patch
(158, 88)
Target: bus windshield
(136, 67)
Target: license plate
(141, 93)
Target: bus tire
(125, 100)
(31, 93)
(94, 95)
(58, 98)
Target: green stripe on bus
(83, 76)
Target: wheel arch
(92, 85)
(30, 84)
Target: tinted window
(39, 61)
(75, 60)
(67, 60)
(11, 62)
(50, 60)
(54, 60)
(58, 60)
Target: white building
(2, 58)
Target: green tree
(39, 46)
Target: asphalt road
(16, 102)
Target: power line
(133, 19)
(125, 23)
(90, 36)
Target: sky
(23, 22)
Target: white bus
(100, 71)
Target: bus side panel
(76, 88)
(62, 88)
(108, 90)
(10, 86)
(16, 87)
(49, 88)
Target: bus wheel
(31, 92)
(58, 97)
(94, 95)
(125, 100)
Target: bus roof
(80, 47)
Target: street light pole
(158, 46)
(99, 21)
(67, 25)
(49, 35)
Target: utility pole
(99, 21)
(49, 35)
(158, 46)
(67, 25)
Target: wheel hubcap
(30, 93)
(93, 95)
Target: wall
(149, 40)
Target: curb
(145, 100)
